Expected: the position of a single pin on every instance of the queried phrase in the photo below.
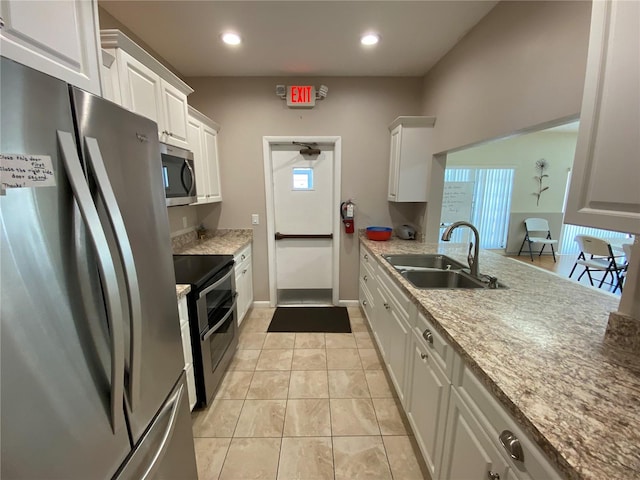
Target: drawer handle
(244, 271)
(428, 336)
(424, 356)
(365, 278)
(494, 475)
(512, 445)
(242, 257)
(386, 305)
(364, 302)
(366, 257)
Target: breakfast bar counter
(538, 346)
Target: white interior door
(304, 210)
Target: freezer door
(166, 451)
(56, 345)
(122, 157)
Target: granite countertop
(539, 347)
(223, 242)
(182, 290)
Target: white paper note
(24, 170)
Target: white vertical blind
(491, 203)
(568, 244)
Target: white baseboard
(261, 304)
(348, 303)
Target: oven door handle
(215, 285)
(217, 326)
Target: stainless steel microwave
(178, 175)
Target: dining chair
(537, 231)
(626, 248)
(600, 258)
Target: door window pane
(303, 178)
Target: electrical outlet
(255, 219)
(184, 222)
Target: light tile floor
(305, 406)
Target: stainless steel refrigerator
(92, 381)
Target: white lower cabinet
(426, 409)
(244, 281)
(468, 453)
(457, 423)
(183, 312)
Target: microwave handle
(193, 178)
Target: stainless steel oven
(213, 319)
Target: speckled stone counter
(223, 242)
(539, 347)
(182, 290)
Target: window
(302, 178)
(491, 203)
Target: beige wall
(357, 109)
(107, 21)
(522, 66)
(521, 153)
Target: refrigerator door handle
(96, 163)
(82, 194)
(145, 462)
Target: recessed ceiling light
(231, 38)
(370, 39)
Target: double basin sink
(437, 271)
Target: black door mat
(310, 319)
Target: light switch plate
(255, 219)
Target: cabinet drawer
(369, 260)
(243, 255)
(435, 343)
(402, 301)
(366, 301)
(495, 420)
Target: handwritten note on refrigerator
(24, 170)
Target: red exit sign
(301, 96)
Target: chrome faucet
(471, 259)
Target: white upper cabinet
(604, 189)
(57, 38)
(173, 130)
(147, 87)
(410, 158)
(140, 87)
(202, 138)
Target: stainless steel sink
(419, 262)
(444, 279)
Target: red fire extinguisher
(346, 211)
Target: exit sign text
(301, 96)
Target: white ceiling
(308, 38)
